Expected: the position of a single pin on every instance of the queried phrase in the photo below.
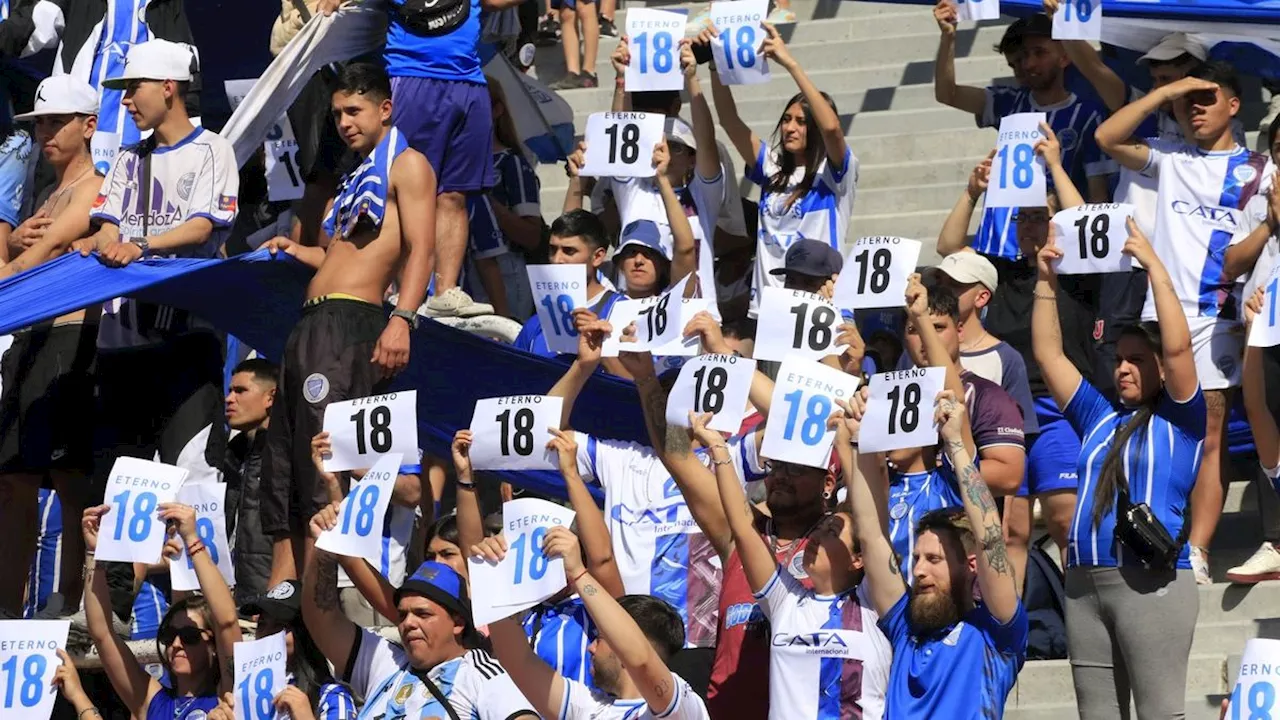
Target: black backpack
(1044, 598)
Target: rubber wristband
(194, 548)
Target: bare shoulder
(411, 171)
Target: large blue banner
(1252, 11)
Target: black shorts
(326, 359)
(46, 411)
(157, 399)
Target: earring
(826, 494)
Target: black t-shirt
(1009, 316)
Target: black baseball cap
(282, 603)
(811, 257)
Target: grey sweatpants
(1129, 630)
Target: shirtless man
(48, 373)
(345, 346)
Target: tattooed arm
(995, 573)
(334, 634)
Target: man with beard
(954, 656)
(630, 658)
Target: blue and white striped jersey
(560, 634)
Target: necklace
(180, 708)
(976, 342)
(53, 199)
(791, 544)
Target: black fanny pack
(430, 18)
(1142, 533)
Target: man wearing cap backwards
(437, 661)
(45, 425)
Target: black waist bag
(430, 18)
(1139, 530)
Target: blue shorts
(569, 4)
(451, 123)
(1054, 454)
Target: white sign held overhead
(526, 576)
(1017, 172)
(716, 384)
(28, 661)
(804, 398)
(1265, 331)
(975, 10)
(363, 511)
(209, 501)
(1078, 20)
(511, 433)
(364, 429)
(284, 176)
(657, 321)
(132, 530)
(558, 290)
(876, 272)
(1092, 239)
(900, 409)
(686, 346)
(260, 676)
(654, 40)
(620, 144)
(795, 322)
(736, 50)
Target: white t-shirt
(582, 703)
(1207, 201)
(656, 543)
(475, 684)
(822, 214)
(813, 638)
(640, 199)
(196, 177)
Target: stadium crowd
(715, 581)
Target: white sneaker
(781, 16)
(454, 302)
(1264, 564)
(1200, 565)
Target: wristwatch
(143, 245)
(408, 316)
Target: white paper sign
(260, 676)
(716, 384)
(1265, 331)
(364, 429)
(795, 322)
(654, 39)
(558, 290)
(284, 178)
(804, 397)
(900, 410)
(511, 433)
(1092, 239)
(132, 530)
(620, 144)
(1254, 694)
(526, 576)
(363, 510)
(1078, 20)
(1017, 172)
(209, 501)
(736, 50)
(657, 320)
(686, 346)
(974, 10)
(28, 661)
(876, 272)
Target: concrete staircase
(876, 60)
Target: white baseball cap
(62, 95)
(1173, 46)
(968, 268)
(154, 60)
(678, 130)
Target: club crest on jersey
(227, 203)
(898, 511)
(1226, 365)
(403, 694)
(1069, 139)
(99, 201)
(796, 567)
(315, 388)
(283, 591)
(185, 183)
(197, 715)
(1244, 174)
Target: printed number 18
(1023, 166)
(1084, 10)
(537, 560)
(746, 50)
(32, 680)
(664, 58)
(561, 313)
(1272, 288)
(259, 705)
(817, 410)
(1262, 698)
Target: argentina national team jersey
(911, 496)
(363, 192)
(560, 634)
(1160, 461)
(582, 703)
(828, 660)
(657, 544)
(1074, 121)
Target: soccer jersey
(197, 177)
(821, 214)
(335, 703)
(517, 189)
(1160, 462)
(1207, 202)
(1003, 365)
(912, 496)
(448, 56)
(827, 659)
(560, 634)
(963, 672)
(582, 703)
(15, 150)
(532, 338)
(1074, 121)
(363, 192)
(474, 684)
(656, 543)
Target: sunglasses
(188, 634)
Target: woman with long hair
(195, 639)
(1131, 594)
(807, 178)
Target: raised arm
(577, 184)
(470, 518)
(1180, 379)
(995, 573)
(1050, 149)
(970, 99)
(935, 353)
(1106, 83)
(744, 140)
(758, 563)
(1116, 135)
(334, 634)
(954, 235)
(824, 116)
(538, 682)
(620, 59)
(1059, 373)
(593, 532)
(684, 254)
(868, 486)
(1241, 257)
(1253, 385)
(704, 126)
(591, 331)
